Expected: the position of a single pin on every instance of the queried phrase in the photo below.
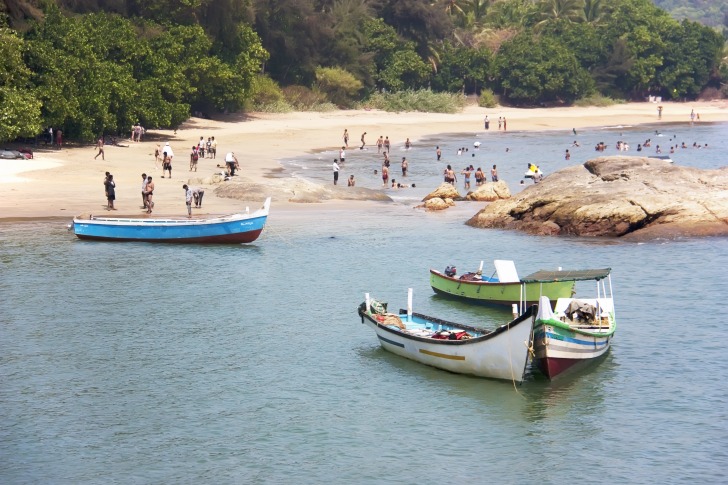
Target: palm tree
(571, 10)
(592, 11)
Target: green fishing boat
(503, 287)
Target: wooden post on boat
(409, 304)
(366, 299)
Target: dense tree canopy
(96, 66)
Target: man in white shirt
(231, 161)
(144, 191)
(336, 170)
(188, 200)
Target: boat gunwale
(120, 221)
(492, 333)
(565, 326)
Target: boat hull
(501, 354)
(233, 229)
(558, 350)
(506, 294)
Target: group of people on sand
(166, 154)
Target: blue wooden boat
(238, 228)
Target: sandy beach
(67, 182)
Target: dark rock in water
(634, 197)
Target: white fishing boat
(501, 353)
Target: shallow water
(149, 363)
(511, 152)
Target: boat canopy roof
(543, 276)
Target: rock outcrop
(444, 191)
(437, 204)
(634, 197)
(489, 192)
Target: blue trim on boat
(391, 342)
(561, 338)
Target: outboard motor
(450, 271)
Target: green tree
(19, 108)
(533, 70)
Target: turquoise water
(141, 363)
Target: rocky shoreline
(636, 198)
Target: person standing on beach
(157, 152)
(504, 124)
(110, 192)
(567, 155)
(100, 148)
(188, 200)
(342, 155)
(363, 143)
(231, 161)
(197, 193)
(194, 157)
(335, 167)
(387, 144)
(346, 138)
(144, 191)
(438, 152)
(486, 123)
(150, 195)
(167, 160)
(380, 144)
(405, 166)
(385, 175)
(106, 188)
(59, 139)
(500, 122)
(213, 147)
(493, 174)
(659, 112)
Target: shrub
(421, 100)
(302, 98)
(340, 85)
(266, 95)
(597, 100)
(487, 99)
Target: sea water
(511, 152)
(144, 363)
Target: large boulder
(444, 191)
(638, 197)
(437, 204)
(490, 191)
